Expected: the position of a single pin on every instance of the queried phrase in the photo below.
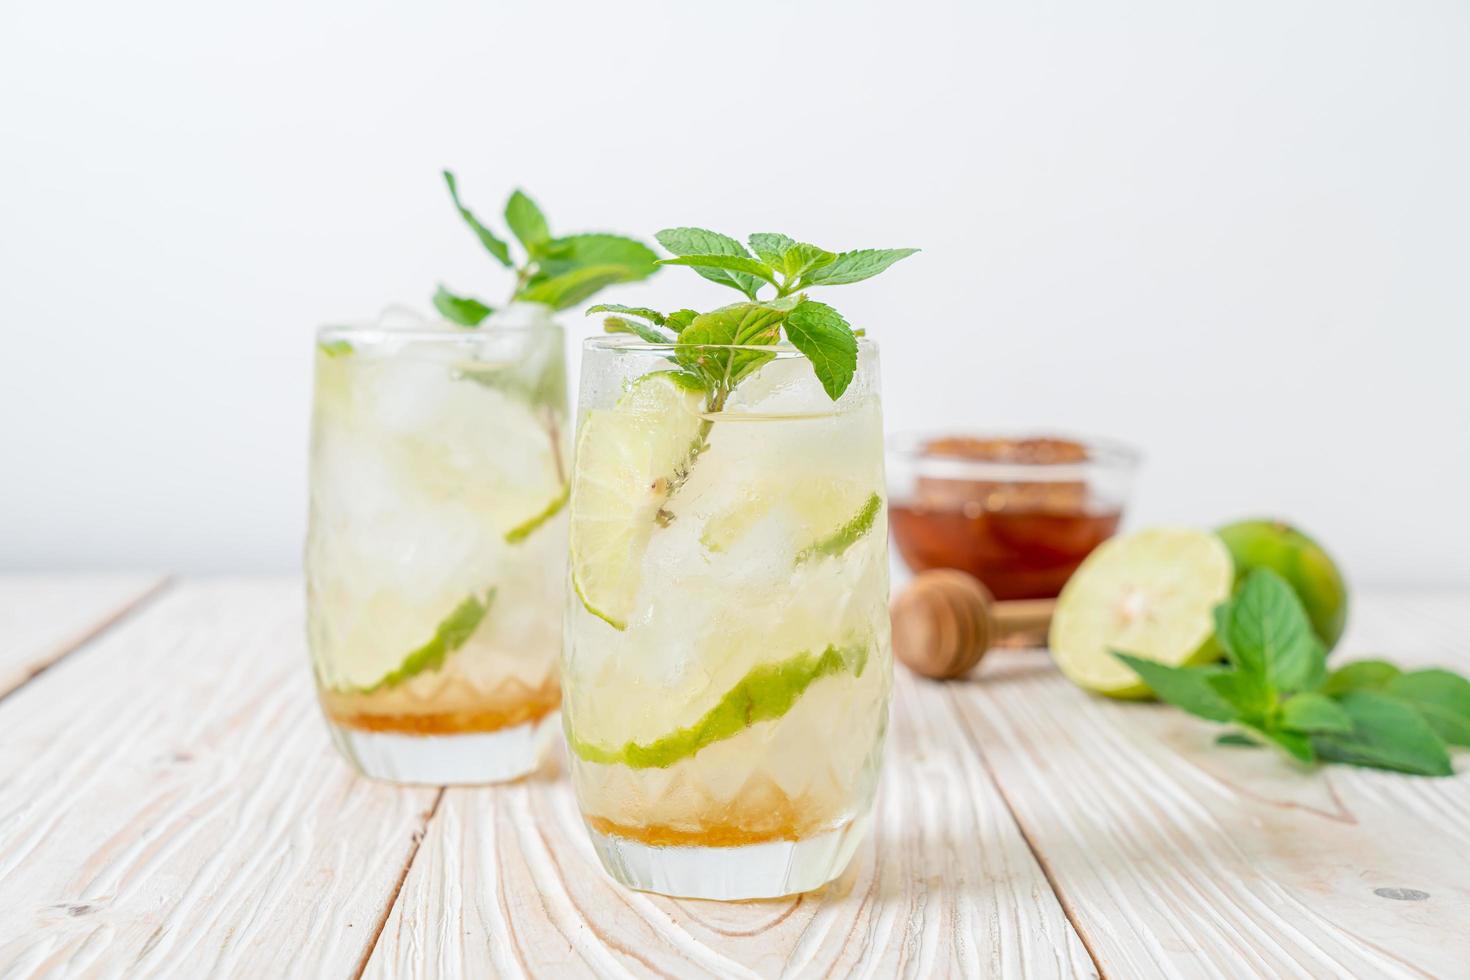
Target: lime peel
(616, 624)
(629, 459)
(523, 530)
(451, 634)
(845, 536)
(765, 693)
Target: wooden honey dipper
(945, 621)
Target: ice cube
(784, 386)
(397, 316)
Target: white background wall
(1236, 234)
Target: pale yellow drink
(727, 665)
(436, 552)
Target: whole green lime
(1298, 559)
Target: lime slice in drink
(628, 458)
(847, 534)
(1150, 594)
(765, 693)
(827, 516)
(526, 528)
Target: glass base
(768, 870)
(447, 760)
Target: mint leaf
(573, 287)
(1387, 734)
(738, 263)
(1296, 744)
(526, 221)
(487, 238)
(738, 323)
(642, 312)
(1266, 633)
(747, 324)
(1441, 696)
(572, 252)
(800, 259)
(700, 241)
(771, 247)
(463, 310)
(679, 319)
(820, 332)
(1184, 687)
(618, 324)
(451, 634)
(1314, 713)
(1360, 675)
(845, 536)
(559, 272)
(1246, 693)
(856, 266)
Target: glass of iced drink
(435, 557)
(727, 664)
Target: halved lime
(628, 458)
(1150, 594)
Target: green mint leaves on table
(558, 271)
(1275, 688)
(777, 261)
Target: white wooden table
(170, 805)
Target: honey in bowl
(1018, 513)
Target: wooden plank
(45, 617)
(1178, 858)
(506, 884)
(170, 804)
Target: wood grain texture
(44, 617)
(170, 805)
(1178, 858)
(506, 884)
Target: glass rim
(629, 343)
(1102, 453)
(437, 331)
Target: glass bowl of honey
(1018, 512)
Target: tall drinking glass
(727, 665)
(436, 554)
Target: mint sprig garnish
(773, 261)
(558, 271)
(1275, 688)
(463, 310)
